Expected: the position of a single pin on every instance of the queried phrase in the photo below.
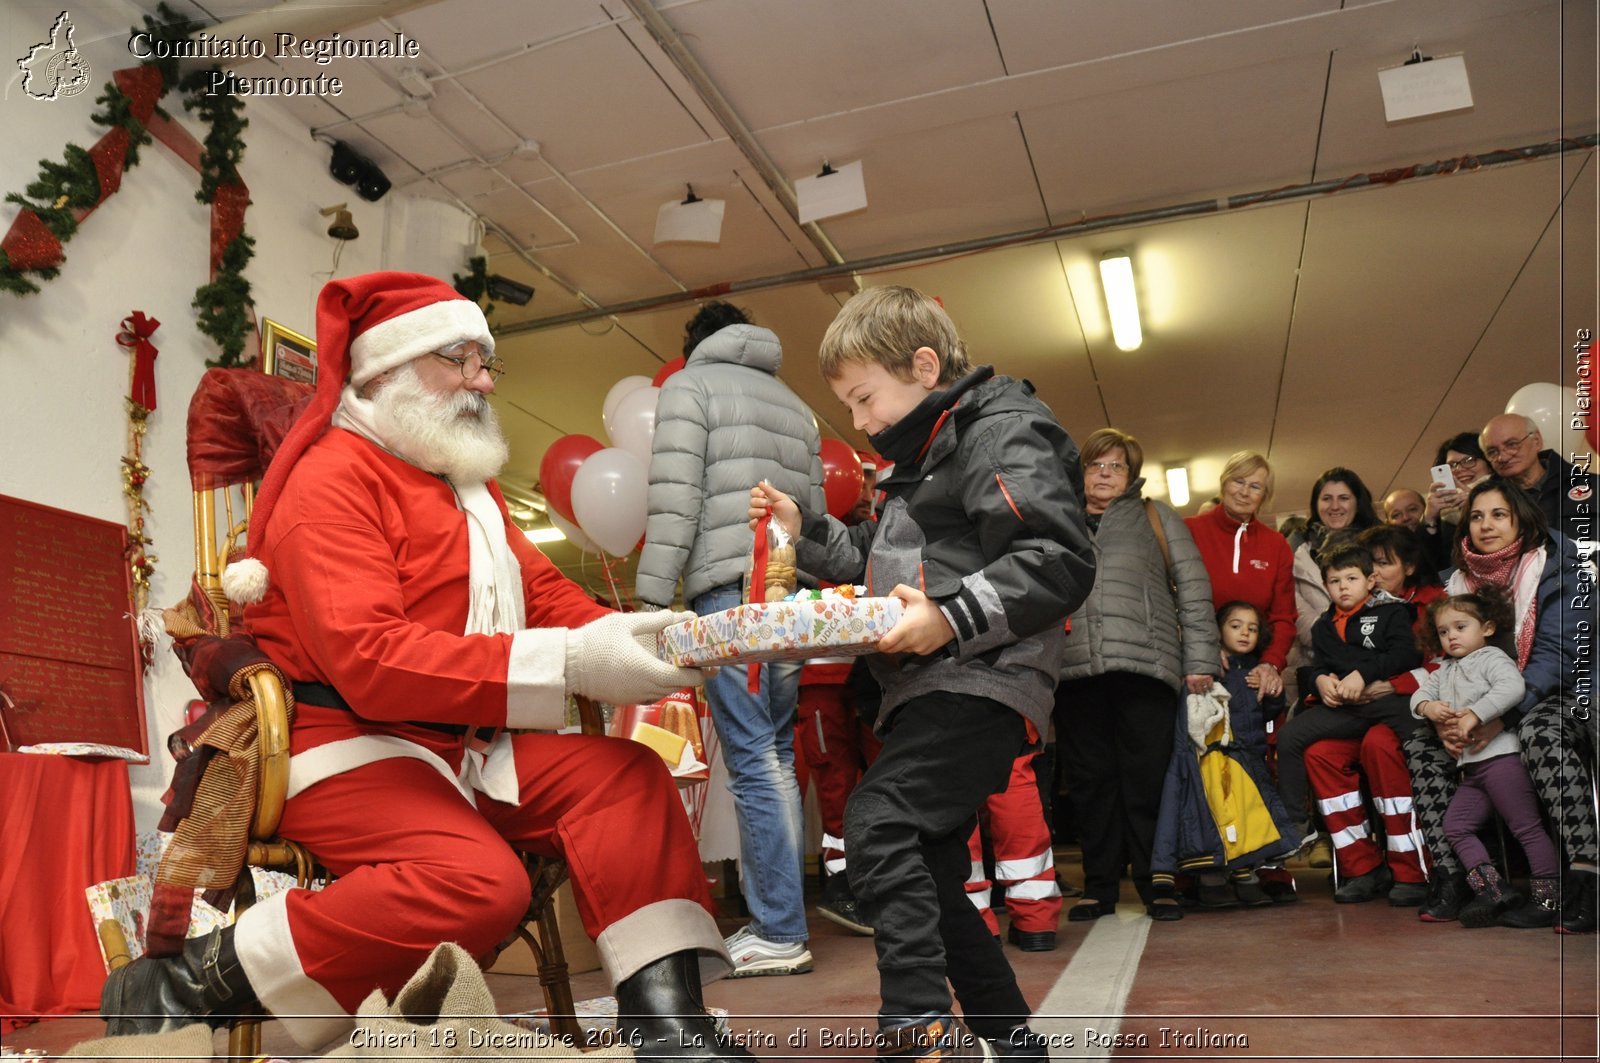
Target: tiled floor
(1309, 981)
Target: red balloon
(841, 476)
(668, 369)
(559, 465)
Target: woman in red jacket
(1250, 562)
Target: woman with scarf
(1506, 543)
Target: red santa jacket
(368, 561)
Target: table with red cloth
(65, 824)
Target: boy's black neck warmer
(903, 442)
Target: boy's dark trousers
(1316, 721)
(906, 830)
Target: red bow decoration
(135, 335)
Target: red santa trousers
(836, 747)
(1024, 859)
(416, 864)
(1334, 767)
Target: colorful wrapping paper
(781, 631)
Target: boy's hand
(1378, 688)
(763, 496)
(1328, 691)
(922, 628)
(1351, 686)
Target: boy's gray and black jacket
(1132, 620)
(990, 526)
(724, 423)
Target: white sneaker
(753, 955)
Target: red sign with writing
(69, 647)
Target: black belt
(329, 698)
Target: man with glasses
(1566, 494)
(417, 626)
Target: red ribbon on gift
(135, 335)
(758, 584)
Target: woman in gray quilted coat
(1145, 637)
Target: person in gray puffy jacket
(1145, 636)
(723, 422)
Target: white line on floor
(1083, 1010)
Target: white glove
(614, 660)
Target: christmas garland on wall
(65, 193)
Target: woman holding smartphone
(1466, 465)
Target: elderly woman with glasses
(1145, 635)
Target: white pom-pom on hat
(245, 581)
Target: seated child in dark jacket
(1366, 634)
(1244, 635)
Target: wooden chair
(237, 419)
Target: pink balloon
(608, 496)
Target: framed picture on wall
(287, 353)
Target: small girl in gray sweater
(1478, 682)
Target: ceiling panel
(1513, 66)
(793, 62)
(1384, 320)
(1039, 34)
(942, 185)
(465, 32)
(1241, 130)
(621, 111)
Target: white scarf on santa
(494, 589)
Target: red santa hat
(869, 460)
(366, 325)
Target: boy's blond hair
(885, 326)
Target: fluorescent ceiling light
(544, 535)
(1178, 486)
(1116, 279)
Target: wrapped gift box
(781, 631)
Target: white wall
(63, 427)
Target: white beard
(456, 436)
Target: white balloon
(618, 390)
(1550, 406)
(633, 422)
(573, 533)
(608, 498)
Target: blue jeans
(757, 736)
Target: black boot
(838, 905)
(1578, 906)
(1446, 894)
(1489, 898)
(204, 983)
(661, 1015)
(1541, 910)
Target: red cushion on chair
(237, 418)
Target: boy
(1365, 637)
(980, 533)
